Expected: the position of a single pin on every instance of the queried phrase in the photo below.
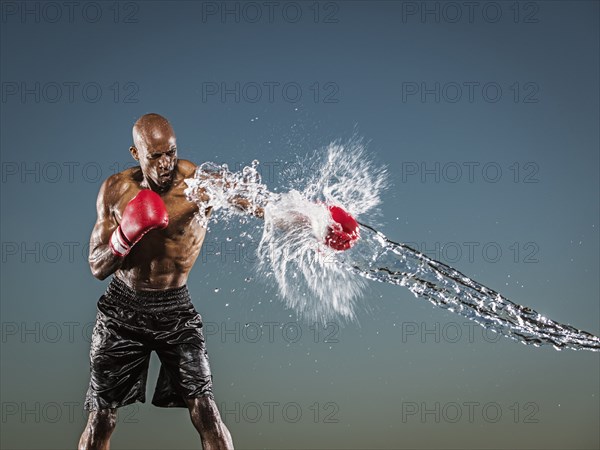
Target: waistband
(163, 300)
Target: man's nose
(164, 161)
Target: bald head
(151, 129)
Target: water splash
(308, 275)
(381, 259)
(320, 283)
(291, 249)
(214, 187)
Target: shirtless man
(147, 236)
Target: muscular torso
(162, 259)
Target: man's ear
(134, 153)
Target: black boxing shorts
(130, 325)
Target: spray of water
(291, 250)
(390, 262)
(320, 283)
(309, 275)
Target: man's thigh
(119, 361)
(185, 368)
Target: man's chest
(183, 214)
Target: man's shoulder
(127, 176)
(119, 183)
(187, 168)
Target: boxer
(147, 238)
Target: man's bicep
(101, 232)
(105, 221)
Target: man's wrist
(119, 244)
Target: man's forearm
(104, 262)
(245, 205)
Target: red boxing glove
(146, 211)
(344, 233)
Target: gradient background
(357, 392)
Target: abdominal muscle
(159, 261)
(162, 259)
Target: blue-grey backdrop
(486, 115)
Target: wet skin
(162, 259)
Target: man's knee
(103, 420)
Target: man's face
(157, 155)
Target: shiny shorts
(129, 326)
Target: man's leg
(96, 436)
(207, 420)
